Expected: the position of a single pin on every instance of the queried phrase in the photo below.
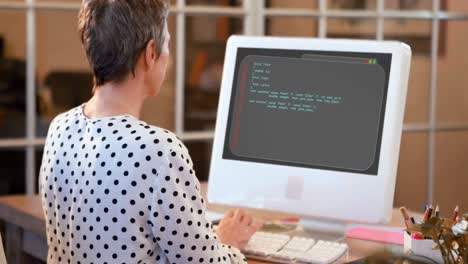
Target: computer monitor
(310, 127)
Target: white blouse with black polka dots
(116, 190)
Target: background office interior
(43, 71)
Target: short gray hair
(114, 33)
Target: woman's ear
(150, 54)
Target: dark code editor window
(308, 109)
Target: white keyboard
(281, 248)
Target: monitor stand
(323, 229)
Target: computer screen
(304, 108)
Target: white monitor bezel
(335, 195)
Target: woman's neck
(115, 99)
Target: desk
(25, 229)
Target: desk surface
(26, 212)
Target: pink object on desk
(378, 234)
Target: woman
(114, 189)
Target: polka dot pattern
(116, 190)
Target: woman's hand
(237, 227)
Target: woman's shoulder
(161, 144)
(165, 137)
(158, 138)
(64, 118)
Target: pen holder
(422, 247)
